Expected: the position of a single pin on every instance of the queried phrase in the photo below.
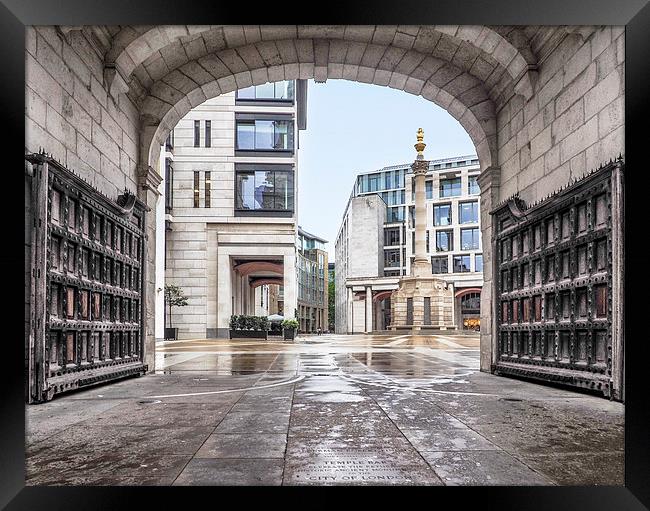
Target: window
(450, 187)
(442, 214)
(208, 186)
(391, 258)
(373, 182)
(468, 212)
(264, 135)
(472, 185)
(439, 265)
(478, 262)
(196, 189)
(395, 214)
(278, 91)
(461, 264)
(427, 242)
(444, 241)
(169, 185)
(270, 190)
(469, 239)
(208, 133)
(429, 189)
(391, 236)
(197, 134)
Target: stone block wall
(187, 267)
(70, 114)
(572, 123)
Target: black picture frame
(635, 14)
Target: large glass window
(472, 185)
(450, 187)
(391, 236)
(391, 258)
(264, 190)
(395, 214)
(469, 239)
(461, 264)
(442, 214)
(468, 212)
(444, 241)
(440, 265)
(429, 189)
(374, 182)
(265, 135)
(278, 91)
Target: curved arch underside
(467, 70)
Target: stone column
(349, 311)
(421, 264)
(368, 309)
(148, 181)
(489, 182)
(290, 296)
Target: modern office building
(312, 282)
(376, 241)
(231, 203)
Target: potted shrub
(173, 296)
(248, 327)
(289, 327)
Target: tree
(331, 304)
(174, 296)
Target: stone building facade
(231, 212)
(543, 105)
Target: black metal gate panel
(87, 290)
(558, 283)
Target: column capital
(420, 167)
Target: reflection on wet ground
(330, 409)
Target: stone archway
(467, 71)
(543, 105)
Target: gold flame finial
(419, 147)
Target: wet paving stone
(252, 445)
(581, 469)
(482, 468)
(82, 438)
(263, 404)
(453, 439)
(231, 472)
(155, 412)
(254, 422)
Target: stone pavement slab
(231, 472)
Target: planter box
(289, 334)
(248, 334)
(171, 333)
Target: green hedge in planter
(244, 322)
(290, 323)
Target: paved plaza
(325, 410)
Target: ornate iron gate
(558, 281)
(87, 290)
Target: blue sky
(356, 127)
